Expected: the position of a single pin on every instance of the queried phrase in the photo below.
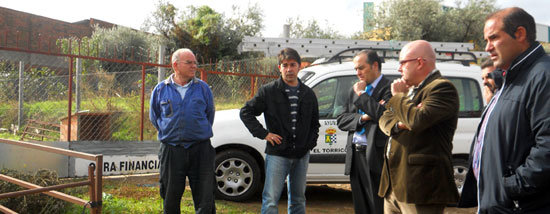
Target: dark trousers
(197, 164)
(364, 185)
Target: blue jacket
(178, 120)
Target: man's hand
(273, 138)
(402, 126)
(399, 86)
(359, 87)
(365, 117)
(487, 93)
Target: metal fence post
(204, 75)
(142, 112)
(77, 84)
(20, 111)
(70, 100)
(161, 70)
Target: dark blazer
(348, 121)
(272, 101)
(420, 162)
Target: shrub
(34, 203)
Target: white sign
(121, 165)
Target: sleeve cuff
(511, 187)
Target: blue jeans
(277, 169)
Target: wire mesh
(106, 95)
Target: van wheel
(238, 176)
(460, 169)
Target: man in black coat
(365, 145)
(510, 158)
(292, 126)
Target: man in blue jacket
(510, 158)
(182, 111)
(292, 118)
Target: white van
(240, 156)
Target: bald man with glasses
(182, 111)
(420, 118)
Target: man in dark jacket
(510, 158)
(292, 118)
(365, 145)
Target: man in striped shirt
(292, 126)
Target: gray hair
(178, 52)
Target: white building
(543, 33)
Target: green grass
(126, 197)
(223, 103)
(127, 110)
(9, 136)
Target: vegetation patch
(34, 203)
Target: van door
(327, 158)
(471, 107)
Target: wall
(119, 157)
(33, 32)
(543, 33)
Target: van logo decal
(330, 136)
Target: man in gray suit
(365, 145)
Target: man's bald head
(415, 72)
(420, 48)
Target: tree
(468, 20)
(209, 34)
(119, 43)
(429, 20)
(311, 29)
(239, 25)
(39, 83)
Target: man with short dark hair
(420, 118)
(365, 145)
(510, 170)
(492, 79)
(182, 111)
(292, 120)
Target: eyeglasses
(189, 62)
(403, 62)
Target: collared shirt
(476, 161)
(361, 138)
(413, 90)
(181, 89)
(179, 120)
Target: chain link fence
(234, 82)
(106, 94)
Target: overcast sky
(344, 15)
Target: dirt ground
(321, 198)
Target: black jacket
(349, 119)
(272, 101)
(515, 159)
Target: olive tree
(430, 20)
(210, 34)
(311, 29)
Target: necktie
(368, 90)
